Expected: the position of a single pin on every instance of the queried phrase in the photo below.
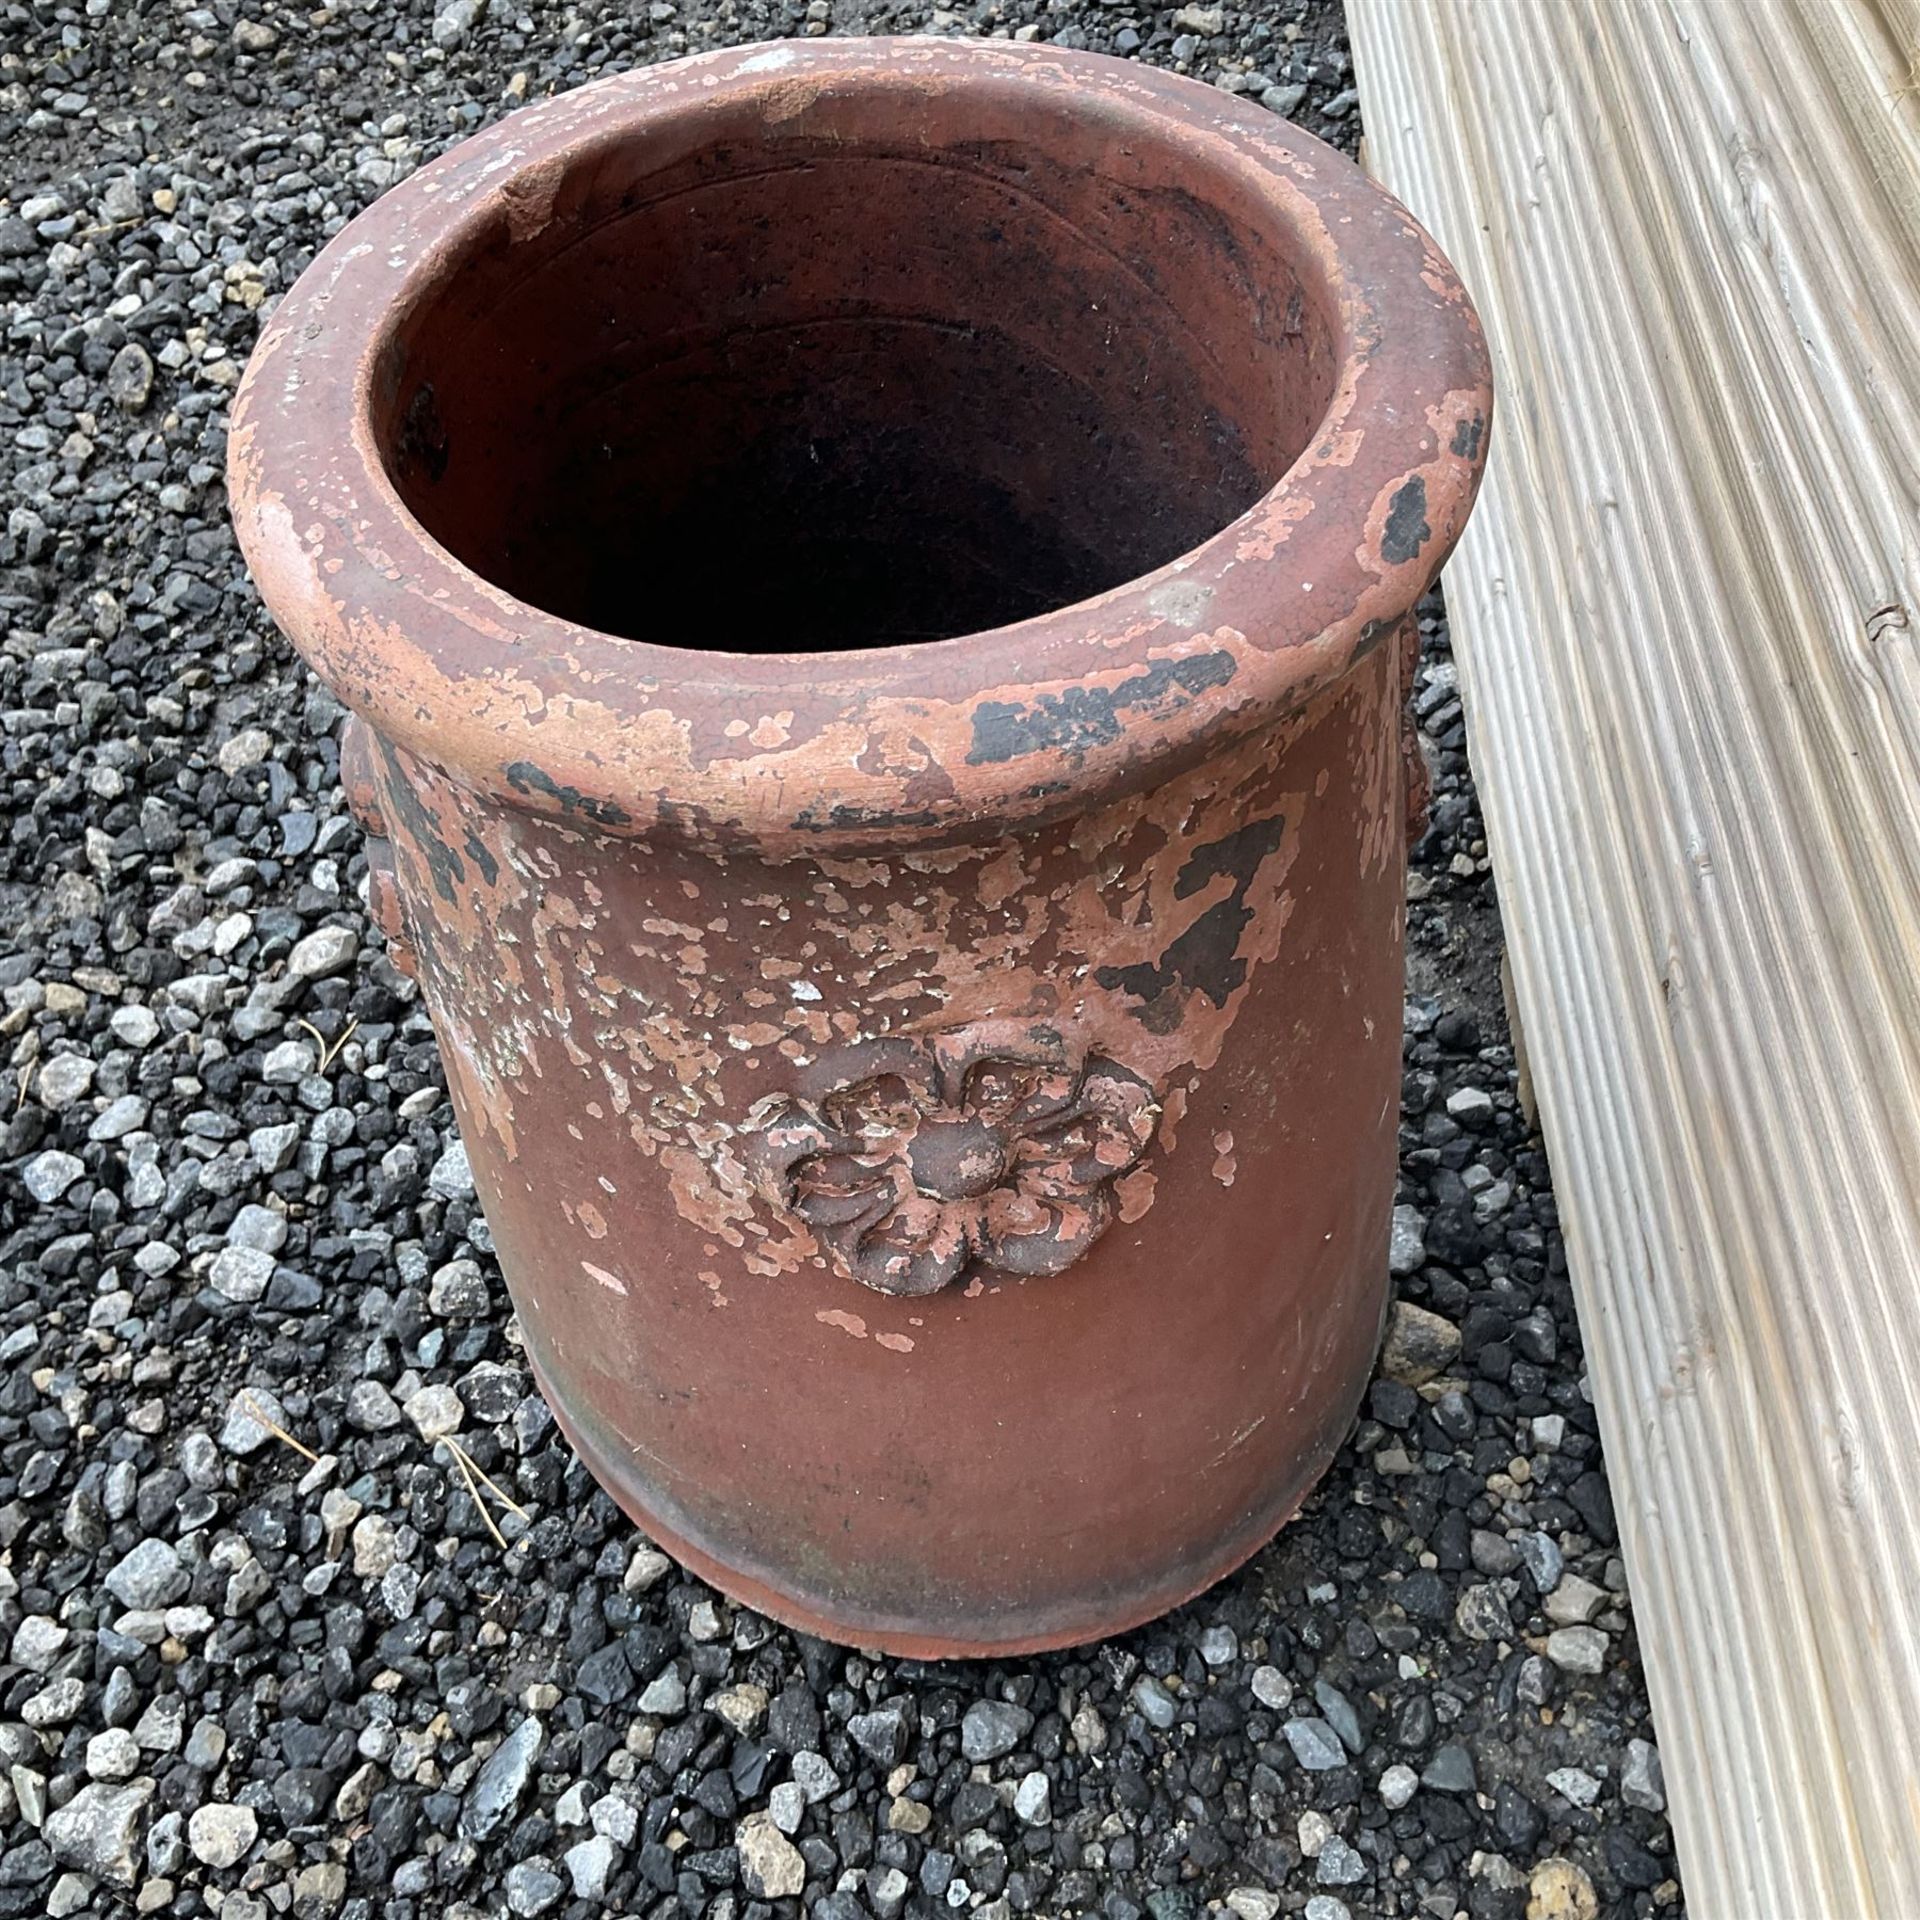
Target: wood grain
(1687, 618)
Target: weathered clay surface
(934, 1102)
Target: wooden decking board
(1687, 618)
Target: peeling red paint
(611, 1281)
(1225, 1166)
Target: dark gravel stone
(881, 1736)
(1518, 1822)
(605, 1677)
(992, 1728)
(1415, 1726)
(502, 1781)
(1594, 1504)
(1451, 1770)
(1630, 1863)
(303, 1795)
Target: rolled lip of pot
(881, 748)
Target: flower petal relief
(912, 1159)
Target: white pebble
(1272, 1688)
(1578, 1649)
(113, 1755)
(1033, 1799)
(1398, 1785)
(435, 1412)
(220, 1833)
(323, 953)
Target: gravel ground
(264, 1654)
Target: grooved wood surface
(1687, 617)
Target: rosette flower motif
(912, 1159)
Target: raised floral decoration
(910, 1159)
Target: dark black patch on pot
(1206, 958)
(524, 777)
(1081, 718)
(422, 829)
(1466, 436)
(1238, 855)
(1045, 789)
(1406, 530)
(844, 815)
(488, 865)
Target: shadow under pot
(874, 582)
